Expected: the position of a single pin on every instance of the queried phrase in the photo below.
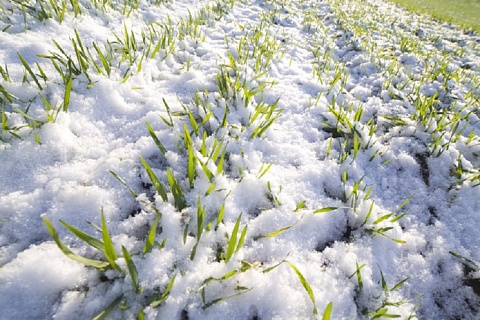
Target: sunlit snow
(278, 180)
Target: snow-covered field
(301, 159)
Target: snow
(67, 175)
(32, 281)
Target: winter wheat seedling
(162, 297)
(359, 275)
(328, 311)
(234, 245)
(132, 270)
(382, 310)
(103, 59)
(104, 313)
(134, 194)
(150, 240)
(29, 70)
(279, 231)
(179, 198)
(159, 145)
(100, 265)
(200, 227)
(159, 187)
(302, 279)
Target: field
(240, 159)
(461, 12)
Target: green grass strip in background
(465, 13)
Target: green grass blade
(328, 312)
(225, 118)
(85, 237)
(79, 41)
(355, 146)
(37, 137)
(275, 233)
(211, 303)
(59, 47)
(194, 251)
(140, 315)
(29, 70)
(382, 218)
(404, 203)
(155, 51)
(66, 96)
(398, 241)
(220, 163)
(326, 209)
(273, 267)
(179, 198)
(168, 122)
(203, 147)
(226, 276)
(242, 239)
(156, 140)
(42, 73)
(110, 253)
(399, 284)
(94, 226)
(164, 295)
(384, 283)
(260, 130)
(105, 64)
(233, 240)
(25, 115)
(263, 170)
(400, 216)
(210, 189)
(103, 315)
(192, 122)
(369, 213)
(187, 139)
(200, 219)
(359, 275)
(150, 242)
(300, 205)
(200, 226)
(207, 171)
(132, 270)
(191, 166)
(216, 151)
(134, 194)
(7, 95)
(378, 313)
(470, 263)
(395, 119)
(47, 104)
(185, 233)
(164, 242)
(305, 285)
(220, 214)
(153, 178)
(100, 265)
